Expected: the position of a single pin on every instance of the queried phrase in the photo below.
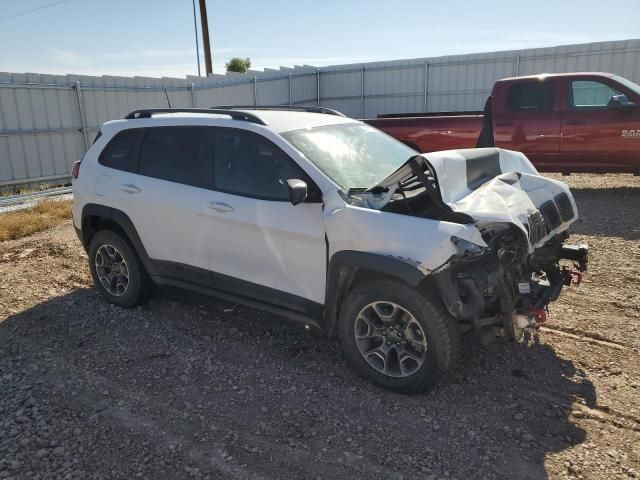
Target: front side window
(589, 94)
(353, 155)
(530, 96)
(245, 163)
(173, 154)
(121, 152)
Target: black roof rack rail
(328, 111)
(149, 112)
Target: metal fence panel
(241, 94)
(47, 121)
(305, 89)
(273, 92)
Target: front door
(592, 132)
(259, 244)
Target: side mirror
(620, 102)
(297, 191)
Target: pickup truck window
(589, 94)
(528, 96)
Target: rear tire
(411, 340)
(117, 271)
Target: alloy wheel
(390, 339)
(112, 270)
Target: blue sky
(156, 38)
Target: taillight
(75, 170)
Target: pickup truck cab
(568, 122)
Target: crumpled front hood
(496, 185)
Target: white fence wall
(48, 121)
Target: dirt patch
(43, 215)
(190, 387)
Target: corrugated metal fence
(48, 121)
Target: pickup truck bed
(576, 122)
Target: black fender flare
(124, 222)
(343, 265)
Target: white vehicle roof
(285, 120)
(276, 120)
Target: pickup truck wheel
(116, 270)
(397, 337)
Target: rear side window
(121, 152)
(530, 96)
(173, 154)
(245, 163)
(589, 94)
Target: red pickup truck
(568, 122)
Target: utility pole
(205, 37)
(195, 29)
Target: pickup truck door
(595, 137)
(527, 119)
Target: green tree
(237, 64)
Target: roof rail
(328, 111)
(149, 112)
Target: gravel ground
(190, 387)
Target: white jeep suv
(326, 220)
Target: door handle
(504, 123)
(220, 207)
(129, 188)
(575, 122)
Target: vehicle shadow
(611, 212)
(186, 375)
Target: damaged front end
(502, 287)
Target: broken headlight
(466, 248)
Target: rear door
(527, 119)
(592, 132)
(259, 244)
(162, 198)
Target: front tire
(397, 337)
(116, 270)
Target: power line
(32, 10)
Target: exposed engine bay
(503, 287)
(502, 290)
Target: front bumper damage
(499, 292)
(501, 284)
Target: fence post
(517, 66)
(83, 120)
(426, 86)
(193, 95)
(362, 91)
(255, 91)
(290, 91)
(318, 85)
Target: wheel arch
(349, 268)
(100, 217)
